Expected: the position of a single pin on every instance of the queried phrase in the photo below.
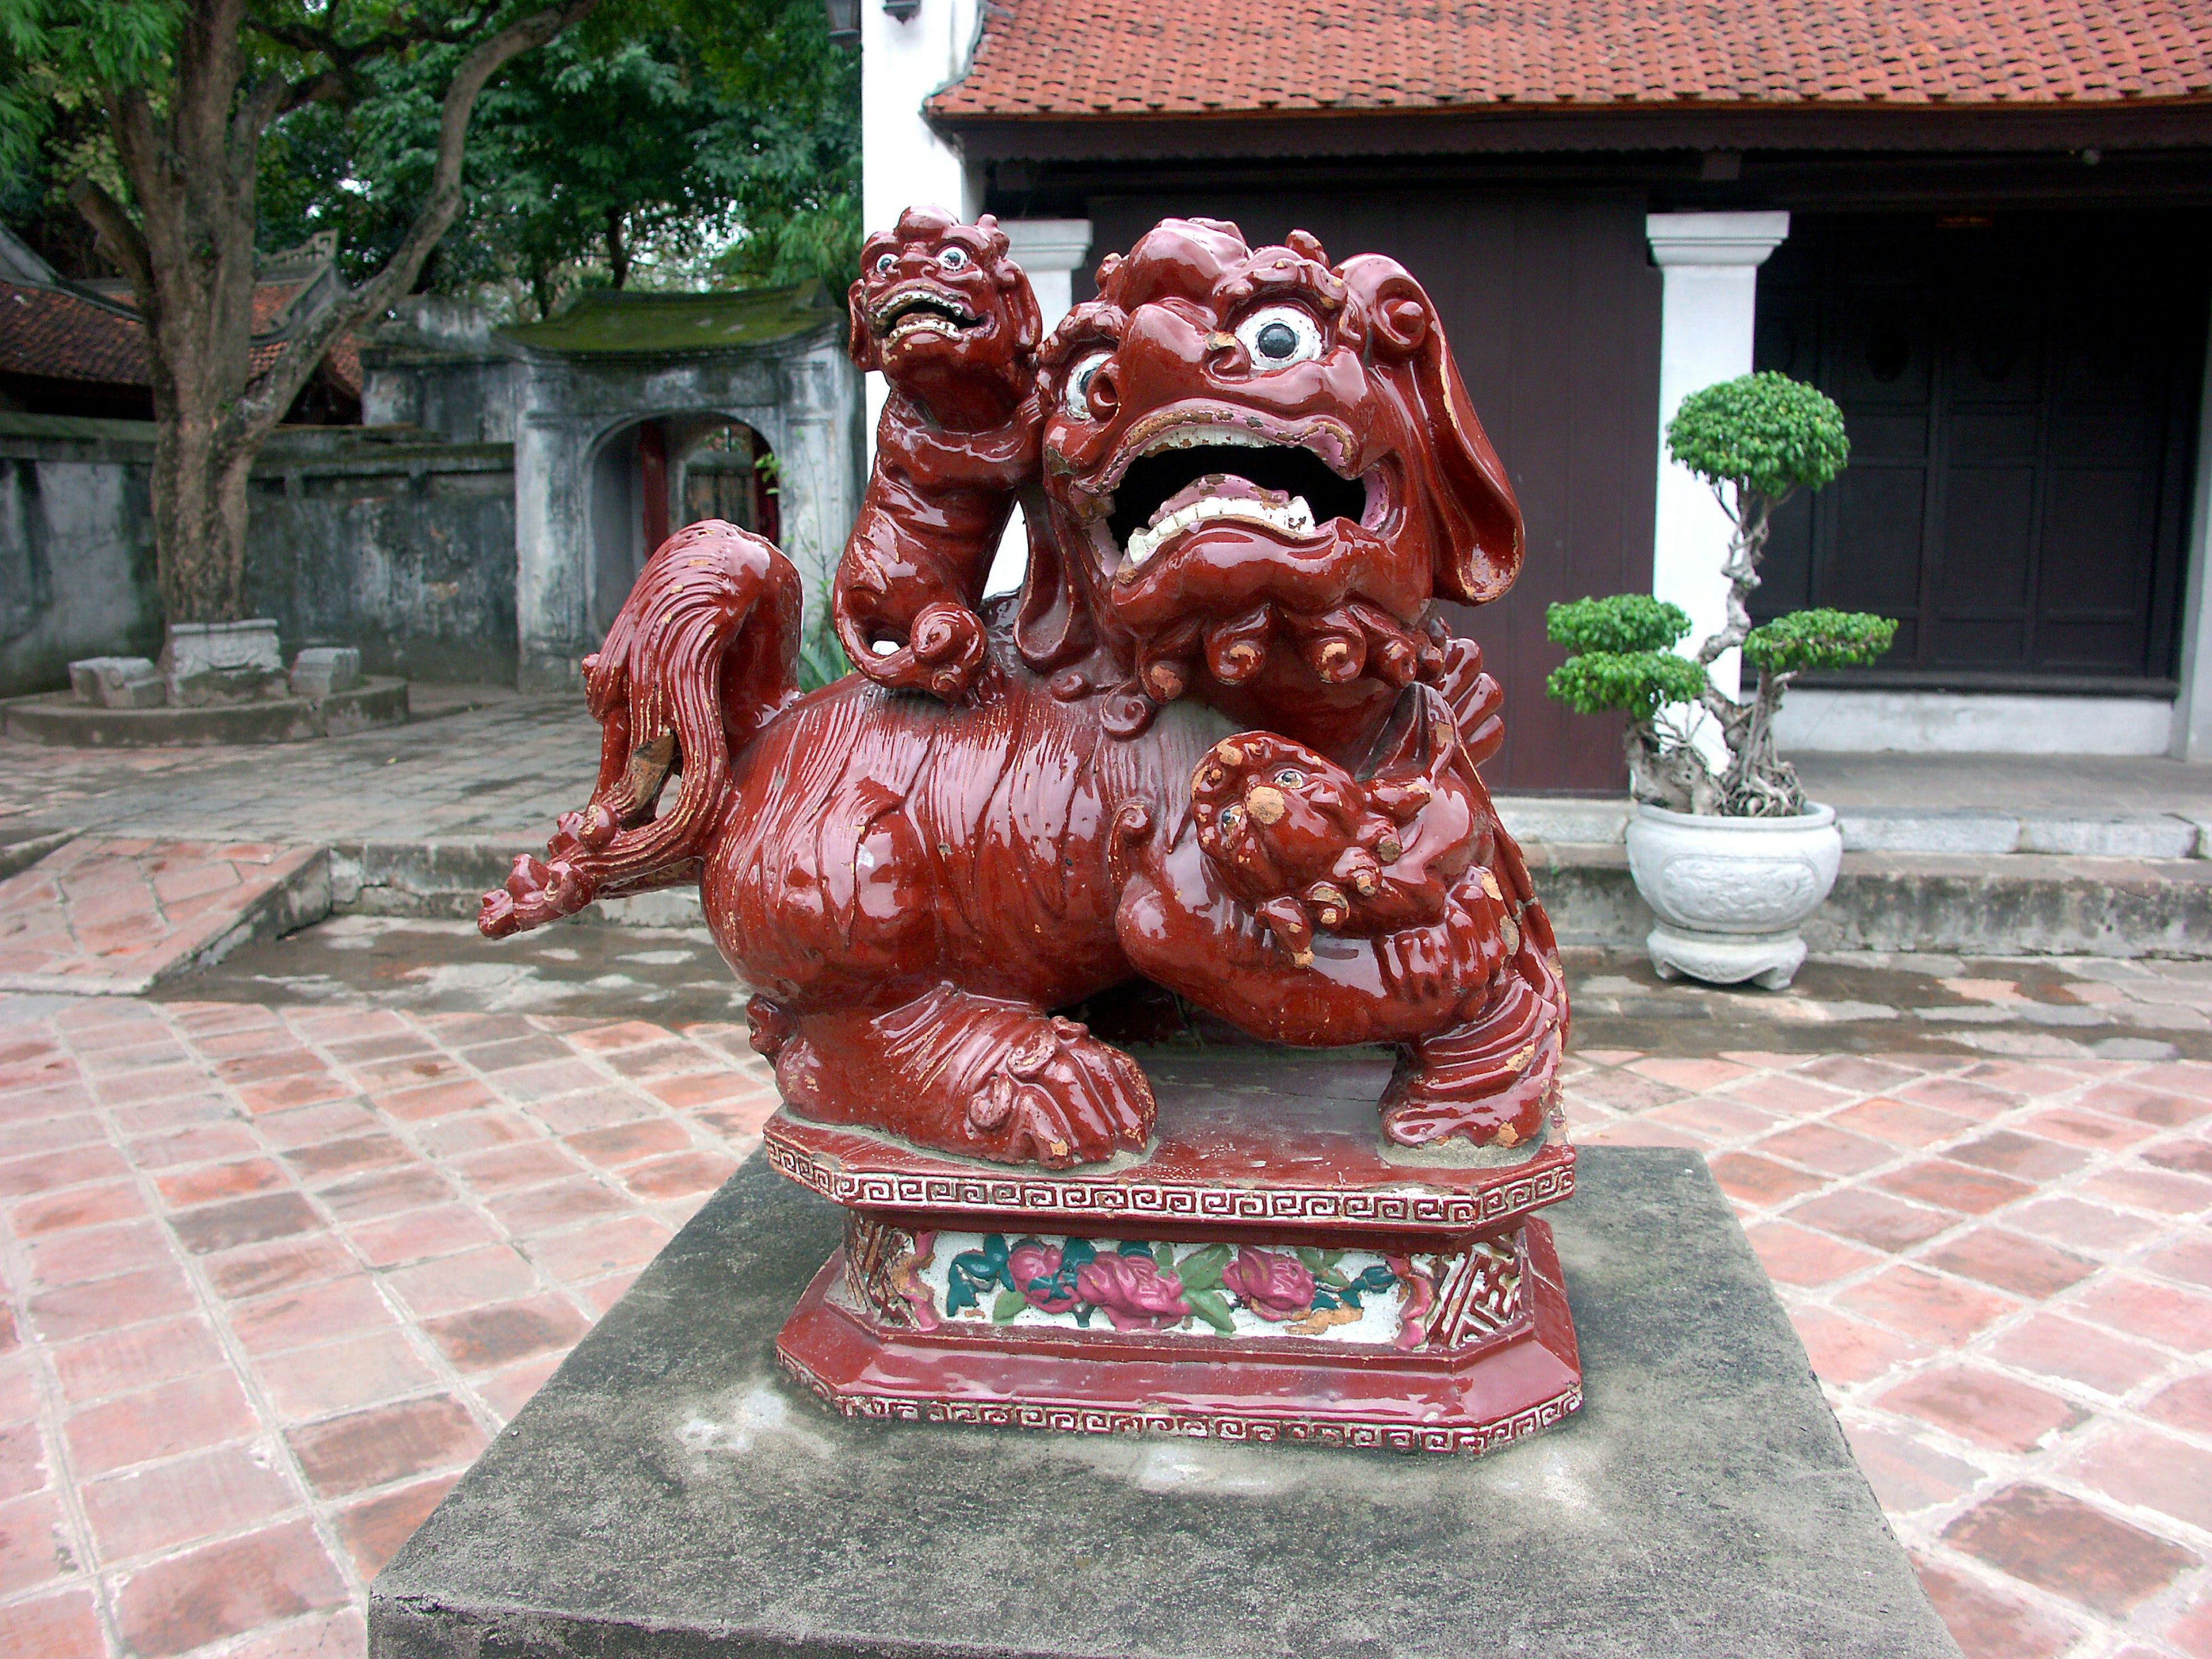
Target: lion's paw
(1059, 1096)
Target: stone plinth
(668, 1493)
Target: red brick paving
(114, 915)
(276, 1274)
(260, 1315)
(2002, 1274)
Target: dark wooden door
(1552, 306)
(2020, 391)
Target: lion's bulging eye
(1280, 336)
(887, 265)
(1077, 397)
(1231, 817)
(1290, 777)
(953, 259)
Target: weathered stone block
(206, 663)
(668, 1495)
(116, 683)
(322, 669)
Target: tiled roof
(57, 335)
(53, 334)
(1076, 57)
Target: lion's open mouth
(917, 310)
(1194, 475)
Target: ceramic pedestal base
(1772, 959)
(1269, 1269)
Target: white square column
(1051, 251)
(1709, 301)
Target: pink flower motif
(1276, 1287)
(1029, 1261)
(1135, 1294)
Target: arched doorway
(654, 477)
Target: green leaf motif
(1202, 1269)
(1005, 1306)
(1209, 1306)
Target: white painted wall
(904, 162)
(1051, 251)
(1823, 721)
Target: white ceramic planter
(1730, 893)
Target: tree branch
(251, 418)
(118, 238)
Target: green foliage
(1819, 639)
(705, 142)
(822, 659)
(1639, 682)
(1620, 622)
(1765, 434)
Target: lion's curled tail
(698, 660)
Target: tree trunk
(190, 149)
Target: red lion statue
(1221, 742)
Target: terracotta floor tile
(2079, 1226)
(544, 1209)
(164, 1505)
(214, 1180)
(1786, 1096)
(86, 1207)
(83, 1253)
(217, 1227)
(329, 1159)
(421, 1235)
(2008, 1260)
(1821, 1146)
(590, 1252)
(2054, 1346)
(1857, 1073)
(1869, 1218)
(387, 1192)
(485, 1339)
(278, 1265)
(103, 1305)
(528, 1163)
(434, 1100)
(626, 1034)
(309, 1315)
(1761, 1180)
(2152, 1470)
(186, 1601)
(373, 1529)
(712, 1088)
(2188, 1259)
(34, 1543)
(1798, 1256)
(1845, 1350)
(507, 1391)
(1951, 1186)
(2152, 1189)
(1906, 1473)
(1991, 1624)
(1714, 1115)
(2179, 1318)
(385, 1443)
(2011, 1153)
(627, 1142)
(23, 1462)
(1985, 1408)
(476, 1132)
(2068, 1547)
(2184, 1405)
(1970, 1100)
(310, 1382)
(168, 1421)
(303, 1125)
(60, 1626)
(48, 1172)
(686, 1175)
(1941, 1312)
(122, 1362)
(195, 1145)
(493, 1273)
(1901, 1123)
(2080, 1128)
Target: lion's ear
(860, 345)
(1021, 305)
(1477, 519)
(1053, 625)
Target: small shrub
(1761, 434)
(1819, 639)
(1619, 623)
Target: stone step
(1941, 829)
(1976, 904)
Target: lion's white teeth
(1292, 518)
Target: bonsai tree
(1756, 440)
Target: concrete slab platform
(58, 720)
(666, 1494)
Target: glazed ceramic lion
(1222, 743)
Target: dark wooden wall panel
(1553, 309)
